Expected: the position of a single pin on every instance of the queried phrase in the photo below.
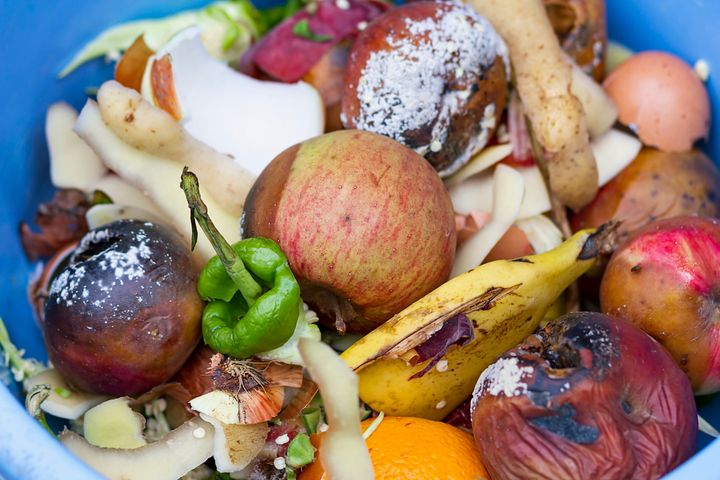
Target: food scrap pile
(347, 239)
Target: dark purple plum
(124, 314)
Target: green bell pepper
(254, 299)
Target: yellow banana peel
(504, 300)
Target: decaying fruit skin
(365, 222)
(655, 185)
(589, 396)
(581, 27)
(124, 315)
(666, 280)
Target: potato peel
(543, 78)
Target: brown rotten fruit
(124, 314)
(655, 185)
(431, 75)
(589, 396)
(366, 224)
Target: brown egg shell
(661, 98)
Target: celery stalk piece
(228, 28)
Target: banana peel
(505, 301)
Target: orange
(406, 448)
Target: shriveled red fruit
(366, 224)
(589, 396)
(124, 315)
(666, 280)
(290, 50)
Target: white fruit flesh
(508, 192)
(72, 163)
(249, 119)
(614, 150)
(476, 193)
(600, 111)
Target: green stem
(249, 288)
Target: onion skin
(595, 398)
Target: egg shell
(661, 98)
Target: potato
(655, 185)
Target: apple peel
(508, 192)
(343, 454)
(72, 163)
(179, 452)
(149, 129)
(155, 175)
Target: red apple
(366, 224)
(588, 397)
(666, 280)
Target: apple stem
(235, 268)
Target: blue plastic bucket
(38, 36)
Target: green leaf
(302, 30)
(63, 392)
(100, 198)
(300, 451)
(311, 419)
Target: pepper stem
(234, 266)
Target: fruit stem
(235, 268)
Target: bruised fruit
(431, 75)
(365, 222)
(666, 280)
(589, 396)
(124, 314)
(655, 185)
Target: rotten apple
(589, 396)
(666, 280)
(365, 222)
(124, 314)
